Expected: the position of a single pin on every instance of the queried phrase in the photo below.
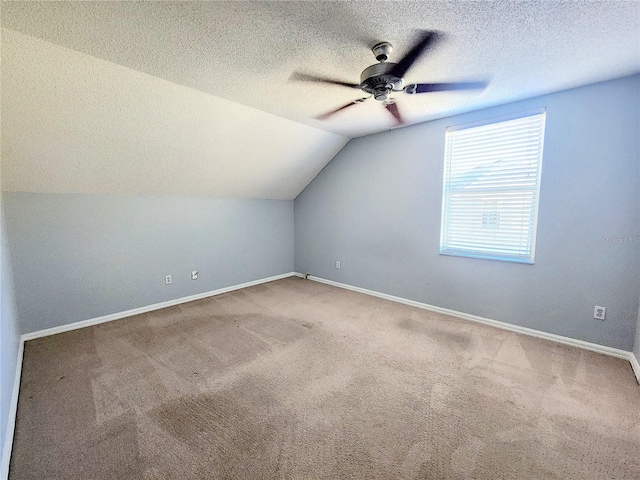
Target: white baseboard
(11, 418)
(149, 308)
(6, 454)
(594, 347)
(635, 365)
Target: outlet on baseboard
(599, 312)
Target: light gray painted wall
(9, 341)
(376, 208)
(77, 257)
(636, 345)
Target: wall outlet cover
(194, 275)
(599, 312)
(337, 264)
(167, 279)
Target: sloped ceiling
(194, 98)
(72, 123)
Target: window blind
(491, 189)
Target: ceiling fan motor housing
(377, 81)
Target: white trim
(11, 418)
(6, 454)
(149, 308)
(635, 365)
(594, 347)
(13, 407)
(499, 119)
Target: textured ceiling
(245, 52)
(72, 123)
(194, 98)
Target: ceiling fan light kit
(382, 79)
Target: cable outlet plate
(599, 312)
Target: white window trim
(487, 255)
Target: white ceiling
(72, 123)
(246, 51)
(193, 98)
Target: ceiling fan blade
(326, 115)
(393, 109)
(424, 40)
(303, 77)
(443, 87)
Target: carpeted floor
(299, 380)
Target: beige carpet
(299, 380)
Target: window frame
(446, 190)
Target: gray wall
(376, 208)
(636, 345)
(77, 257)
(9, 341)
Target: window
(491, 188)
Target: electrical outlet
(599, 312)
(337, 264)
(167, 279)
(194, 275)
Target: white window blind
(491, 189)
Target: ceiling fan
(383, 79)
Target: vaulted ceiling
(194, 98)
